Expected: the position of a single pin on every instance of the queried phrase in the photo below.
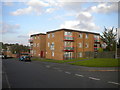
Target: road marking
(68, 72)
(79, 75)
(114, 83)
(48, 66)
(7, 79)
(94, 78)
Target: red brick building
(67, 44)
(38, 45)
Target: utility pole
(116, 43)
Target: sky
(21, 19)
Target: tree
(109, 38)
(16, 48)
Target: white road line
(79, 75)
(68, 72)
(114, 83)
(7, 80)
(48, 66)
(94, 78)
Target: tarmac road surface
(36, 74)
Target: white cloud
(104, 8)
(50, 10)
(70, 24)
(84, 21)
(22, 11)
(8, 28)
(37, 3)
(33, 6)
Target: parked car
(2, 56)
(25, 57)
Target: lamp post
(116, 43)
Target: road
(36, 74)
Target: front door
(41, 55)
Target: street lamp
(116, 43)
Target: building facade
(67, 44)
(64, 44)
(38, 45)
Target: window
(86, 45)
(80, 45)
(96, 36)
(35, 37)
(48, 44)
(52, 46)
(34, 52)
(52, 53)
(48, 35)
(65, 33)
(34, 44)
(38, 45)
(68, 44)
(80, 54)
(86, 35)
(52, 34)
(80, 35)
(38, 37)
(68, 33)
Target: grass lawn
(99, 62)
(57, 61)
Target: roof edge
(38, 34)
(64, 29)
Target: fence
(105, 54)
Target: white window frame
(86, 45)
(68, 33)
(86, 36)
(80, 54)
(48, 44)
(80, 45)
(53, 34)
(80, 35)
(53, 54)
(49, 35)
(34, 44)
(52, 46)
(38, 44)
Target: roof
(38, 34)
(72, 31)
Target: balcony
(69, 49)
(96, 41)
(30, 40)
(96, 48)
(68, 38)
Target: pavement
(36, 74)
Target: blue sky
(21, 19)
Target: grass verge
(99, 62)
(57, 61)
